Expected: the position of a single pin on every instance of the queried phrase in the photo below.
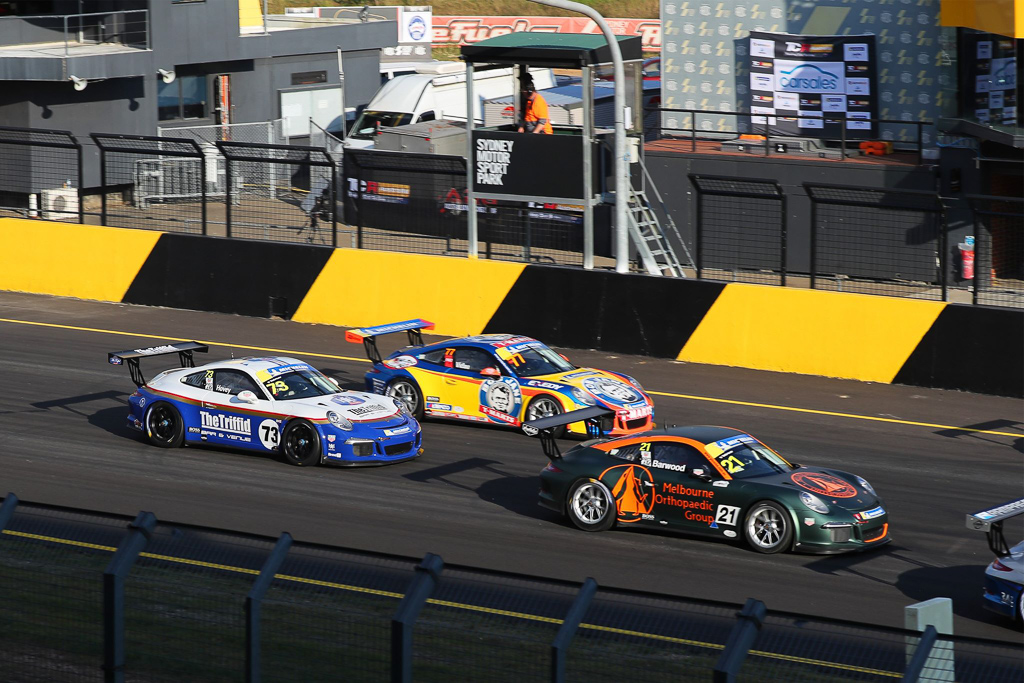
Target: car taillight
(999, 566)
(552, 468)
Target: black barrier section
(528, 165)
(886, 242)
(328, 616)
(283, 193)
(401, 201)
(996, 264)
(152, 183)
(652, 316)
(40, 174)
(227, 276)
(970, 348)
(741, 230)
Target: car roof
(257, 364)
(483, 341)
(702, 433)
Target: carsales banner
(468, 30)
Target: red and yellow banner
(467, 30)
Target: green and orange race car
(711, 481)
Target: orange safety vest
(537, 109)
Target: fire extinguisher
(967, 258)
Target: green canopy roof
(565, 50)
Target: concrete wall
(868, 338)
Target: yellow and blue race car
(498, 379)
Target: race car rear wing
(545, 427)
(368, 335)
(133, 356)
(991, 522)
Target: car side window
(196, 379)
(436, 357)
(473, 359)
(234, 382)
(678, 454)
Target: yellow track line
(830, 413)
(709, 399)
(730, 401)
(457, 605)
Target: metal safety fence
(87, 596)
(996, 265)
(741, 230)
(40, 174)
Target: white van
(437, 90)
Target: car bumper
(1002, 597)
(843, 538)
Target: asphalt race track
(933, 456)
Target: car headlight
(866, 486)
(583, 397)
(634, 382)
(339, 421)
(813, 502)
(403, 407)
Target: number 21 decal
(727, 515)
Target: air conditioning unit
(60, 204)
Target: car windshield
(533, 358)
(304, 383)
(366, 125)
(751, 459)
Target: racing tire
(768, 528)
(590, 506)
(164, 426)
(546, 406)
(407, 391)
(300, 443)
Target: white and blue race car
(273, 405)
(1004, 577)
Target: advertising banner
(813, 76)
(990, 93)
(473, 29)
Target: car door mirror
(700, 474)
(490, 372)
(335, 382)
(247, 397)
(565, 357)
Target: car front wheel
(591, 506)
(768, 528)
(300, 443)
(408, 392)
(164, 426)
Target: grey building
(135, 66)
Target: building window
(309, 77)
(185, 98)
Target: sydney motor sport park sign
(468, 30)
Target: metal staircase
(652, 245)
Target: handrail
(826, 116)
(81, 36)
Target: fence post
(139, 532)
(334, 201)
(936, 613)
(921, 653)
(943, 247)
(570, 625)
(699, 227)
(785, 231)
(81, 179)
(7, 510)
(103, 186)
(359, 204)
(814, 235)
(254, 602)
(741, 639)
(202, 186)
(227, 193)
(428, 573)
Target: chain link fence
(40, 173)
(193, 609)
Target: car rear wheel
(768, 528)
(591, 506)
(164, 426)
(407, 391)
(300, 443)
(545, 406)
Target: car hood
(356, 406)
(834, 487)
(607, 387)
